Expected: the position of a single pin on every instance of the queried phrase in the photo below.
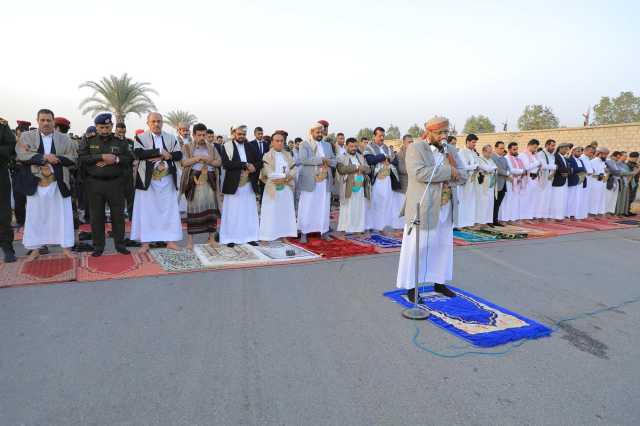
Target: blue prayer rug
(473, 319)
(378, 240)
(472, 237)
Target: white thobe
(547, 169)
(313, 207)
(585, 200)
(467, 192)
(49, 215)
(277, 214)
(352, 209)
(380, 212)
(530, 195)
(239, 223)
(397, 202)
(510, 207)
(558, 204)
(576, 198)
(485, 192)
(598, 188)
(156, 215)
(436, 250)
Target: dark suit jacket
(575, 169)
(234, 167)
(558, 178)
(144, 150)
(266, 146)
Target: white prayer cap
(316, 125)
(239, 127)
(602, 149)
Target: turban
(23, 123)
(61, 121)
(324, 123)
(239, 127)
(602, 149)
(565, 145)
(437, 123)
(312, 141)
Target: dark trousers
(100, 193)
(6, 232)
(497, 202)
(19, 207)
(129, 193)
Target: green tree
(365, 133)
(479, 124)
(415, 131)
(621, 109)
(393, 132)
(536, 117)
(174, 118)
(119, 95)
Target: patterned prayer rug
(474, 237)
(47, 269)
(117, 266)
(183, 260)
(223, 256)
(276, 251)
(378, 240)
(474, 319)
(504, 233)
(628, 222)
(335, 248)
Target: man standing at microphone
(429, 160)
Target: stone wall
(620, 137)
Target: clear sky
(286, 64)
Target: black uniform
(129, 185)
(7, 153)
(106, 185)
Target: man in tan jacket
(49, 154)
(429, 160)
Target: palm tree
(120, 95)
(174, 118)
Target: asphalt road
(317, 344)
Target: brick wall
(620, 137)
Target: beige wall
(621, 137)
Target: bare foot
(34, 255)
(144, 248)
(67, 253)
(190, 246)
(172, 246)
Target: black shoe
(131, 243)
(444, 290)
(84, 236)
(216, 237)
(158, 244)
(9, 256)
(82, 247)
(97, 253)
(497, 224)
(253, 243)
(43, 250)
(122, 250)
(411, 295)
(231, 245)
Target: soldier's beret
(61, 121)
(104, 118)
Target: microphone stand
(417, 311)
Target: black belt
(105, 178)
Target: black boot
(444, 290)
(9, 255)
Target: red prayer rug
(335, 248)
(117, 266)
(47, 269)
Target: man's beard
(318, 138)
